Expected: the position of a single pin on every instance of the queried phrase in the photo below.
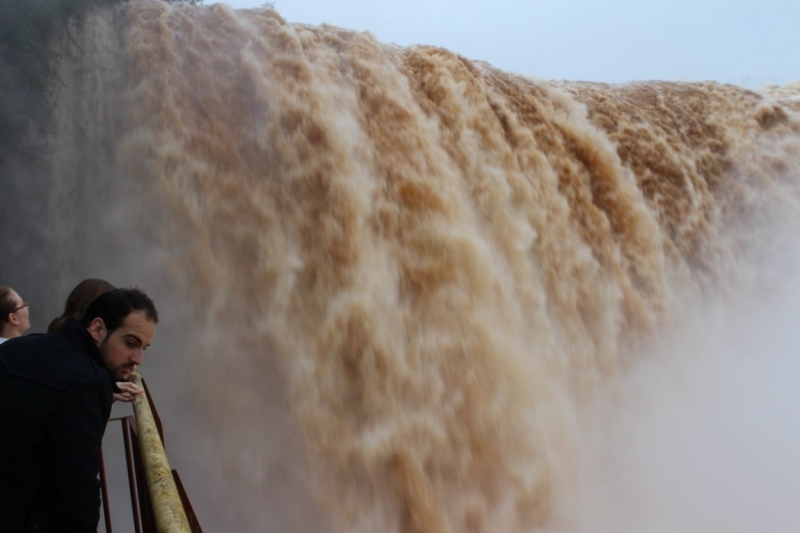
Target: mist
(702, 433)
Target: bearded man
(55, 399)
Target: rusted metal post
(104, 491)
(129, 463)
(167, 507)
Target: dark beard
(110, 371)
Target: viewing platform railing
(159, 502)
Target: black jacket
(55, 400)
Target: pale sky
(744, 42)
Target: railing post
(167, 507)
(104, 491)
(130, 464)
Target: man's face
(123, 350)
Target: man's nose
(138, 355)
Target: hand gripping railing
(167, 507)
(144, 515)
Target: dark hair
(79, 300)
(115, 305)
(7, 303)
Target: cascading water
(399, 275)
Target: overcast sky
(745, 42)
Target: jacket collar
(76, 332)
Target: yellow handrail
(167, 507)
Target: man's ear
(97, 329)
(13, 319)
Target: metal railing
(159, 502)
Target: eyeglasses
(24, 304)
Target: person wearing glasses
(14, 318)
